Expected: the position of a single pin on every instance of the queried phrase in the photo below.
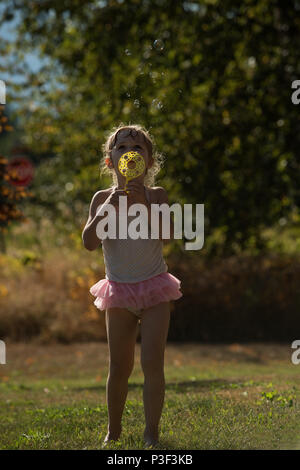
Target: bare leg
(154, 331)
(121, 328)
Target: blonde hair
(111, 137)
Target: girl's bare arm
(89, 236)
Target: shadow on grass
(176, 386)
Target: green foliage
(212, 80)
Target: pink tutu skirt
(136, 295)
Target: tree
(9, 194)
(212, 81)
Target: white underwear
(137, 312)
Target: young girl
(137, 288)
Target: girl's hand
(136, 192)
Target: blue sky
(7, 31)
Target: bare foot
(151, 439)
(110, 438)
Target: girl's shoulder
(100, 196)
(152, 193)
(157, 194)
(102, 192)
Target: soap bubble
(147, 52)
(140, 69)
(251, 62)
(154, 75)
(158, 44)
(202, 9)
(157, 104)
(282, 221)
(69, 186)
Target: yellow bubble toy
(131, 173)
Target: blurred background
(212, 82)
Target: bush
(240, 298)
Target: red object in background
(20, 171)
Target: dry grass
(47, 298)
(44, 293)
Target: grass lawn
(217, 397)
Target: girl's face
(130, 141)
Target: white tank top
(133, 260)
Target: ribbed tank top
(133, 260)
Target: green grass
(217, 397)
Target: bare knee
(119, 370)
(153, 367)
